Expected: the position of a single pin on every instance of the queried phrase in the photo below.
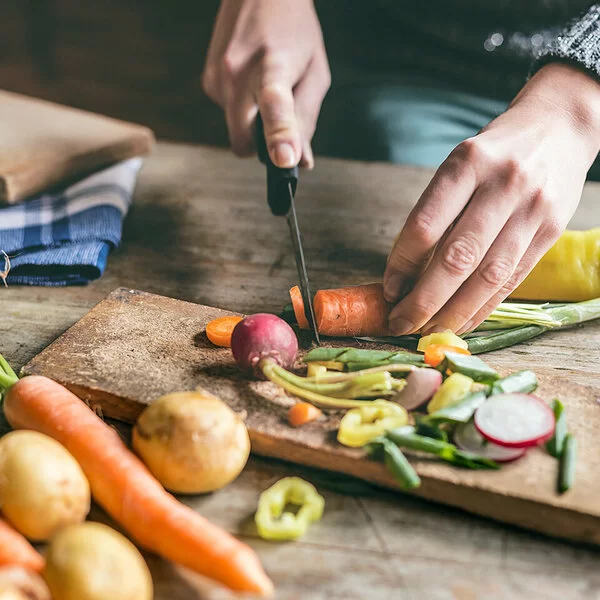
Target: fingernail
(285, 156)
(401, 326)
(392, 287)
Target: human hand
(269, 55)
(495, 206)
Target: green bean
(523, 382)
(459, 412)
(567, 464)
(556, 445)
(399, 466)
(471, 366)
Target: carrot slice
(16, 550)
(435, 353)
(352, 311)
(303, 412)
(298, 305)
(219, 331)
(126, 489)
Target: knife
(281, 189)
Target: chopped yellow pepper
(455, 388)
(444, 338)
(360, 425)
(314, 370)
(568, 272)
(273, 523)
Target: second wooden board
(133, 347)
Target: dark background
(133, 59)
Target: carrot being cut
(302, 413)
(347, 312)
(436, 353)
(126, 489)
(16, 550)
(219, 331)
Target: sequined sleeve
(579, 44)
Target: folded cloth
(65, 237)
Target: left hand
(507, 194)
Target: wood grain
(200, 231)
(43, 144)
(134, 347)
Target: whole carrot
(16, 550)
(126, 489)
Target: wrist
(572, 94)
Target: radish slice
(421, 385)
(515, 420)
(468, 438)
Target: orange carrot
(347, 312)
(303, 412)
(219, 331)
(126, 489)
(298, 306)
(16, 550)
(435, 353)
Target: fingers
(440, 204)
(493, 277)
(542, 242)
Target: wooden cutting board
(133, 347)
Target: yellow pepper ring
(360, 425)
(273, 523)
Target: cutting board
(43, 144)
(134, 346)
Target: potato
(91, 561)
(42, 487)
(17, 583)
(192, 442)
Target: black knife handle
(278, 180)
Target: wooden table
(200, 230)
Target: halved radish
(468, 438)
(421, 385)
(515, 420)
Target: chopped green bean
(504, 339)
(459, 412)
(471, 366)
(567, 464)
(523, 382)
(399, 466)
(363, 355)
(428, 429)
(556, 445)
(322, 354)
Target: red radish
(263, 336)
(515, 420)
(468, 438)
(421, 385)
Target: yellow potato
(42, 487)
(93, 562)
(17, 583)
(192, 442)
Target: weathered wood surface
(134, 347)
(200, 231)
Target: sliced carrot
(359, 310)
(435, 353)
(219, 331)
(298, 305)
(16, 550)
(303, 412)
(126, 489)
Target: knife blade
(281, 189)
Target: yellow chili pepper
(274, 524)
(360, 425)
(568, 272)
(455, 388)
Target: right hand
(269, 55)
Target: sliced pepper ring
(273, 523)
(360, 425)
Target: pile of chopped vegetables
(442, 401)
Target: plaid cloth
(64, 238)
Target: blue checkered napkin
(64, 238)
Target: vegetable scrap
(302, 413)
(273, 522)
(219, 331)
